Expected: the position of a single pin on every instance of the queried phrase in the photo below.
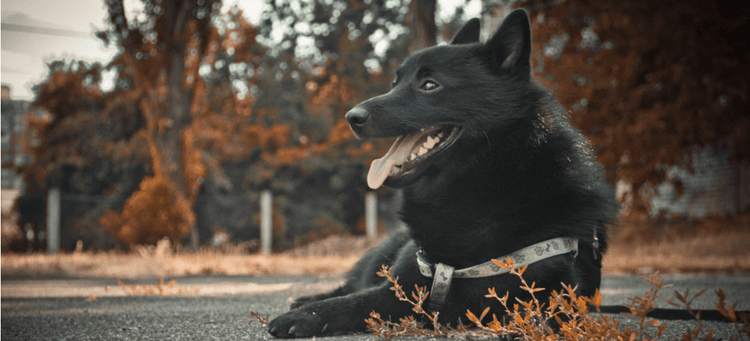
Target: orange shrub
(153, 212)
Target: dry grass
(161, 288)
(576, 317)
(630, 252)
(158, 288)
(726, 252)
(714, 245)
(317, 259)
(134, 266)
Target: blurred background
(146, 120)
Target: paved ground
(218, 308)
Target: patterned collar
(531, 254)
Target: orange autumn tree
(323, 65)
(274, 109)
(280, 113)
(223, 123)
(90, 145)
(113, 136)
(648, 82)
(162, 48)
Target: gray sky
(67, 32)
(24, 54)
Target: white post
(53, 221)
(265, 222)
(371, 213)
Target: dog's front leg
(339, 314)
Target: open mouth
(409, 151)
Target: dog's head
(443, 98)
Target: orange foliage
(286, 156)
(336, 89)
(339, 143)
(111, 220)
(646, 81)
(340, 133)
(153, 212)
(193, 166)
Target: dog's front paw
(298, 323)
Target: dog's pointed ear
(467, 34)
(510, 46)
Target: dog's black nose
(357, 116)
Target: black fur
(517, 175)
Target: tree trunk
(169, 139)
(168, 118)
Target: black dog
(489, 167)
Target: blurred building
(715, 186)
(16, 141)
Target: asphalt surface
(218, 308)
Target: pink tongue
(396, 156)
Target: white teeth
(426, 146)
(430, 142)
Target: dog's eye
(429, 86)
